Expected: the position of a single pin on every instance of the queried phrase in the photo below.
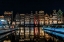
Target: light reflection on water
(27, 33)
(31, 31)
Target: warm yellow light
(55, 22)
(59, 22)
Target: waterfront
(30, 34)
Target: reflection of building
(32, 21)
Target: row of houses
(39, 17)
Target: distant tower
(54, 17)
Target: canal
(30, 34)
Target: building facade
(8, 15)
(40, 18)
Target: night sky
(26, 6)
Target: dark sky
(26, 6)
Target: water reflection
(27, 32)
(34, 34)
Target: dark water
(29, 34)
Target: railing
(55, 32)
(6, 32)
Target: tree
(59, 13)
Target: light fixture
(2, 20)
